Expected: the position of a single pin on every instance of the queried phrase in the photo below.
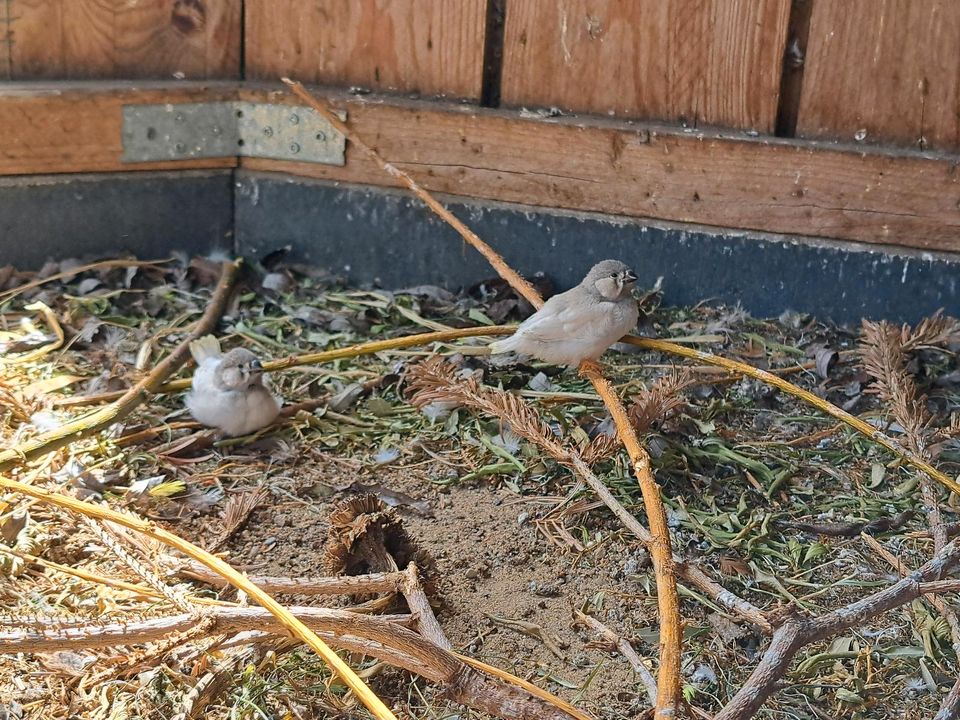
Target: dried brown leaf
(236, 513)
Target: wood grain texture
(802, 188)
(63, 129)
(434, 47)
(80, 39)
(714, 62)
(613, 167)
(888, 70)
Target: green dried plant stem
(663, 346)
(343, 353)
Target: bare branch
(796, 632)
(625, 648)
(382, 637)
(319, 585)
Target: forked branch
(797, 632)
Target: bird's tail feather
(498, 347)
(206, 347)
(473, 350)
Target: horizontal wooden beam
(593, 164)
(870, 195)
(75, 127)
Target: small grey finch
(228, 391)
(581, 323)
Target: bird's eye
(613, 275)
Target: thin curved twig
(516, 281)
(664, 346)
(315, 358)
(13, 292)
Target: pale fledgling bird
(228, 391)
(581, 323)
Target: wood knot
(188, 16)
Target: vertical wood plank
(699, 61)
(68, 39)
(35, 45)
(6, 68)
(883, 71)
(427, 46)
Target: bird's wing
(566, 320)
(204, 377)
(204, 348)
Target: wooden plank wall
(873, 71)
(883, 71)
(587, 164)
(433, 48)
(80, 39)
(714, 62)
(888, 67)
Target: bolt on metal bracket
(188, 131)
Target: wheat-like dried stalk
(884, 359)
(237, 511)
(937, 330)
(650, 406)
(435, 380)
(111, 538)
(659, 401)
(602, 447)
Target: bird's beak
(256, 365)
(630, 276)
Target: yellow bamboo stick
(864, 428)
(291, 623)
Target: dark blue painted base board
(380, 236)
(384, 237)
(147, 214)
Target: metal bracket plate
(185, 131)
